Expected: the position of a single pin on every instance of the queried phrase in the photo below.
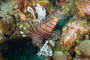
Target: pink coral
(87, 9)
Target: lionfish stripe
(48, 26)
(44, 29)
(36, 35)
(40, 33)
(51, 23)
(40, 29)
(35, 32)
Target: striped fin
(31, 11)
(45, 30)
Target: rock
(73, 30)
(59, 55)
(85, 47)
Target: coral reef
(44, 29)
(73, 30)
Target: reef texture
(74, 29)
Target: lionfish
(41, 27)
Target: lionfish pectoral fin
(55, 35)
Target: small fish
(11, 1)
(82, 10)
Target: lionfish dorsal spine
(31, 11)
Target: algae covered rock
(59, 55)
(85, 47)
(73, 30)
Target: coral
(83, 7)
(6, 9)
(59, 55)
(85, 47)
(72, 30)
(79, 58)
(87, 9)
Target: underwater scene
(44, 29)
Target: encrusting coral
(74, 29)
